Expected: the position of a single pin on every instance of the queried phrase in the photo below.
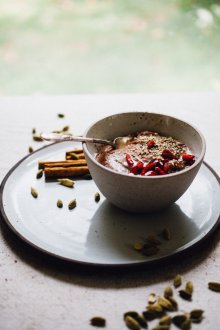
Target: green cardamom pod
(132, 323)
(179, 319)
(37, 138)
(34, 192)
(214, 286)
(165, 320)
(165, 303)
(66, 182)
(97, 197)
(39, 174)
(72, 204)
(185, 294)
(168, 292)
(98, 321)
(65, 128)
(152, 298)
(59, 203)
(189, 287)
(177, 281)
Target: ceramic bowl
(143, 193)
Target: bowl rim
(156, 177)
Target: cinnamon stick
(65, 172)
(61, 163)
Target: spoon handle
(68, 137)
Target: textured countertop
(41, 292)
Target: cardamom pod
(152, 298)
(65, 128)
(34, 192)
(138, 246)
(179, 319)
(174, 303)
(177, 281)
(139, 318)
(186, 325)
(165, 303)
(189, 287)
(37, 138)
(72, 204)
(165, 320)
(155, 307)
(152, 315)
(97, 197)
(132, 323)
(66, 182)
(98, 321)
(196, 315)
(39, 174)
(214, 286)
(185, 294)
(130, 313)
(168, 292)
(59, 203)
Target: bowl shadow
(113, 233)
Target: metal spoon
(117, 143)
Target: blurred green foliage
(109, 46)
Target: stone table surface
(40, 292)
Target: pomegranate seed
(168, 154)
(140, 165)
(150, 166)
(188, 157)
(151, 173)
(134, 170)
(159, 171)
(129, 160)
(151, 144)
(166, 167)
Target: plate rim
(128, 264)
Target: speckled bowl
(137, 193)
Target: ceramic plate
(99, 233)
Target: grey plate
(99, 233)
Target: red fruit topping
(159, 171)
(151, 144)
(140, 165)
(188, 157)
(150, 166)
(129, 160)
(134, 170)
(168, 154)
(159, 164)
(151, 173)
(166, 167)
